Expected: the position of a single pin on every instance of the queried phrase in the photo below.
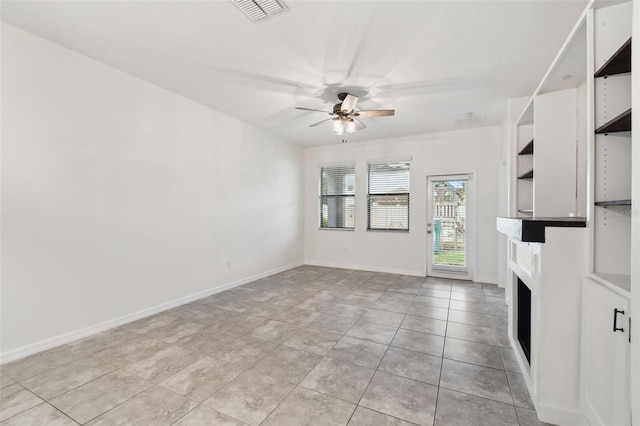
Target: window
(388, 196)
(337, 197)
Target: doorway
(449, 220)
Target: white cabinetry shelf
(611, 175)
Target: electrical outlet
(228, 264)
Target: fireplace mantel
(532, 229)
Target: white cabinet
(604, 379)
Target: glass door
(447, 226)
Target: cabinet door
(605, 357)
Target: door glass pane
(449, 223)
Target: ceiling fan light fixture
(351, 126)
(257, 10)
(345, 117)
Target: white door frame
(471, 213)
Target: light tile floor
(310, 346)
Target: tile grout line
(375, 370)
(435, 409)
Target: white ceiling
(432, 61)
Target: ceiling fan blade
(359, 124)
(375, 113)
(349, 103)
(320, 122)
(315, 110)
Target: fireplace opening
(524, 319)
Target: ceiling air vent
(257, 10)
(471, 120)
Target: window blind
(337, 197)
(388, 197)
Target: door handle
(615, 320)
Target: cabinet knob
(615, 320)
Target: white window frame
(338, 193)
(372, 194)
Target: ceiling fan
(346, 117)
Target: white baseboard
(482, 279)
(561, 416)
(42, 345)
(366, 268)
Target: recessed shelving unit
(612, 149)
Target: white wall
(119, 196)
(471, 150)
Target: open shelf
(528, 149)
(613, 203)
(621, 123)
(526, 175)
(618, 63)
